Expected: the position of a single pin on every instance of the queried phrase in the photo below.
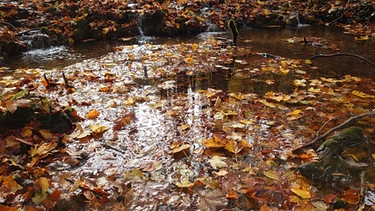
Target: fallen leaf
(217, 162)
(185, 183)
(362, 94)
(93, 114)
(301, 192)
(272, 174)
(97, 129)
(211, 200)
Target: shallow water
(169, 110)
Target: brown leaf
(211, 199)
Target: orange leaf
(6, 208)
(233, 146)
(231, 195)
(351, 196)
(92, 114)
(214, 142)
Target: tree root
(317, 141)
(343, 54)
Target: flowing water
(120, 79)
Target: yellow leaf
(214, 142)
(260, 2)
(184, 127)
(185, 183)
(129, 101)
(96, 128)
(271, 105)
(189, 60)
(308, 61)
(194, 46)
(284, 70)
(301, 192)
(271, 174)
(134, 175)
(362, 94)
(373, 156)
(233, 147)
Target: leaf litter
(159, 135)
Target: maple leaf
(217, 162)
(211, 199)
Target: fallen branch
(343, 54)
(317, 141)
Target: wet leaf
(93, 114)
(97, 128)
(221, 172)
(180, 148)
(301, 192)
(211, 200)
(43, 149)
(7, 208)
(218, 162)
(272, 174)
(352, 196)
(214, 142)
(80, 132)
(362, 94)
(185, 183)
(134, 175)
(41, 189)
(320, 205)
(234, 146)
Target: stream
(152, 106)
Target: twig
(342, 15)
(67, 85)
(316, 142)
(362, 194)
(343, 54)
(9, 24)
(334, 118)
(45, 78)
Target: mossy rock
(39, 110)
(330, 160)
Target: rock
(330, 159)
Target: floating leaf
(215, 142)
(271, 105)
(362, 94)
(271, 174)
(211, 200)
(180, 148)
(43, 149)
(234, 146)
(96, 128)
(217, 162)
(92, 114)
(42, 186)
(185, 183)
(134, 175)
(189, 60)
(301, 192)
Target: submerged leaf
(211, 200)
